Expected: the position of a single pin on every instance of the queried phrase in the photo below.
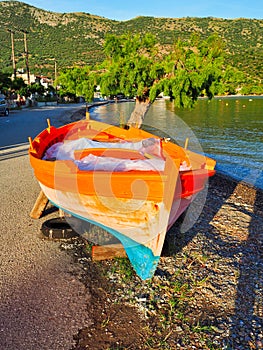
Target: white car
(4, 110)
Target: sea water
(228, 129)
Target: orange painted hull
(136, 206)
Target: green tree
(232, 79)
(5, 82)
(37, 88)
(136, 67)
(77, 81)
(252, 89)
(17, 83)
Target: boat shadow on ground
(231, 224)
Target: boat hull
(139, 225)
(137, 207)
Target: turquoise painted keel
(142, 260)
(140, 256)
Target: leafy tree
(232, 79)
(37, 88)
(5, 82)
(17, 83)
(135, 67)
(77, 81)
(252, 89)
(24, 91)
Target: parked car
(4, 110)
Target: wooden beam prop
(110, 251)
(61, 213)
(39, 206)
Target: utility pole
(55, 70)
(26, 56)
(13, 51)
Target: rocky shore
(207, 292)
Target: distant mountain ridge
(77, 38)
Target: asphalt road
(20, 124)
(43, 304)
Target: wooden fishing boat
(125, 180)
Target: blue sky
(124, 10)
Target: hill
(77, 38)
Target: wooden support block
(110, 251)
(39, 206)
